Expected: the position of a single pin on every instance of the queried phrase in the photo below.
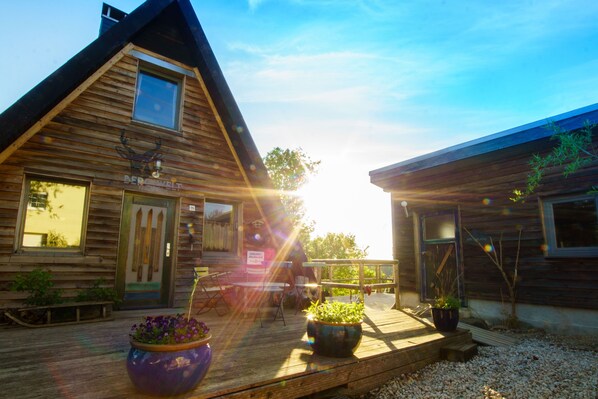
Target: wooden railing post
(361, 281)
(395, 273)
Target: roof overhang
(495, 142)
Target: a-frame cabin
(132, 163)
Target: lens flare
(488, 248)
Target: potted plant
(334, 328)
(445, 313)
(169, 355)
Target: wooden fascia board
(37, 126)
(252, 189)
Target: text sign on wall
(255, 257)
(140, 181)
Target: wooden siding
(79, 143)
(480, 188)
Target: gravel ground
(539, 366)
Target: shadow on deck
(88, 360)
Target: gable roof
(508, 138)
(154, 25)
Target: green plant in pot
(445, 309)
(334, 328)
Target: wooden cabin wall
(404, 247)
(79, 143)
(481, 188)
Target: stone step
(459, 352)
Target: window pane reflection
(439, 227)
(156, 100)
(576, 223)
(219, 232)
(54, 217)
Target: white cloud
(254, 4)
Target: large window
(54, 214)
(157, 99)
(220, 227)
(571, 225)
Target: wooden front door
(146, 251)
(439, 255)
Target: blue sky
(356, 84)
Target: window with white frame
(157, 98)
(571, 225)
(221, 223)
(53, 214)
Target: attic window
(157, 99)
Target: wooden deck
(88, 360)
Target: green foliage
(289, 170)
(39, 285)
(336, 312)
(573, 151)
(447, 302)
(335, 246)
(338, 246)
(98, 292)
(56, 240)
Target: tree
(339, 246)
(511, 279)
(335, 246)
(289, 170)
(574, 151)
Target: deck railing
(385, 276)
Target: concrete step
(459, 352)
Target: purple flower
(168, 329)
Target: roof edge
(507, 138)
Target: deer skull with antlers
(141, 163)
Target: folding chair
(306, 291)
(266, 292)
(210, 291)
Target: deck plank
(487, 337)
(88, 360)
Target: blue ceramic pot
(333, 339)
(168, 369)
(445, 320)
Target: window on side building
(571, 226)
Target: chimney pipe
(110, 17)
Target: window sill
(221, 257)
(51, 258)
(159, 128)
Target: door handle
(168, 250)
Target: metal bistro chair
(265, 290)
(210, 291)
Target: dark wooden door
(146, 251)
(439, 255)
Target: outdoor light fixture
(404, 205)
(157, 169)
